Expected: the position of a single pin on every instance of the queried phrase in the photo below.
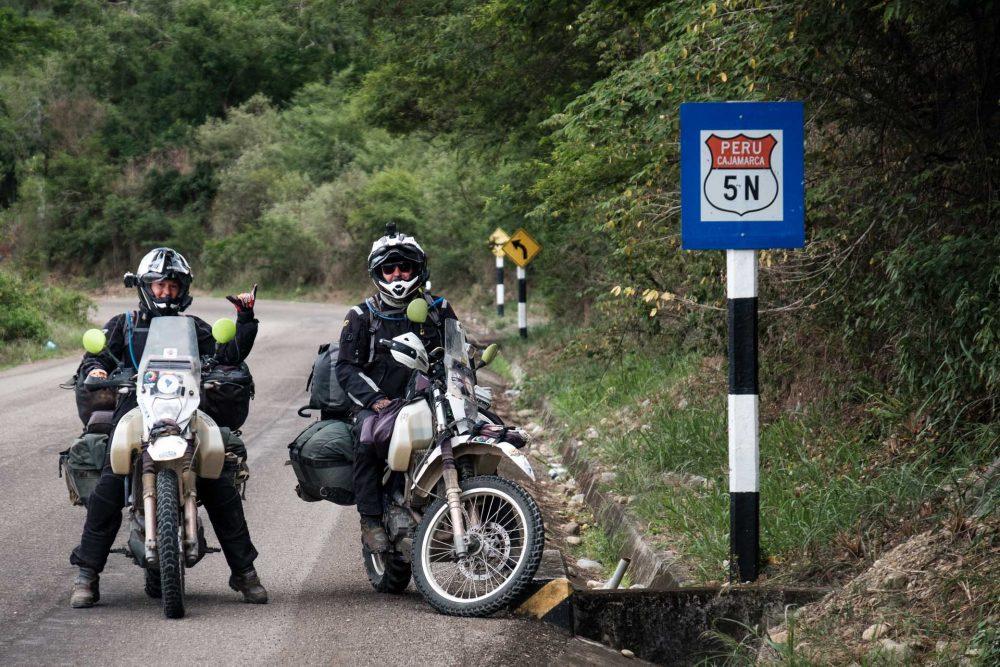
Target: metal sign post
(500, 286)
(522, 249)
(744, 430)
(522, 301)
(742, 189)
(497, 240)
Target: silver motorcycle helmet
(162, 264)
(399, 248)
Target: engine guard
(489, 452)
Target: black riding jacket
(367, 374)
(116, 330)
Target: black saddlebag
(322, 457)
(227, 395)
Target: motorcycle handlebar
(94, 383)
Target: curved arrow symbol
(517, 244)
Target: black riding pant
(368, 469)
(219, 496)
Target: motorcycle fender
(209, 450)
(126, 439)
(487, 450)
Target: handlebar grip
(94, 383)
(384, 344)
(118, 382)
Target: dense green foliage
(270, 141)
(30, 311)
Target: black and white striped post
(744, 427)
(500, 285)
(522, 301)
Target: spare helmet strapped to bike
(397, 247)
(162, 264)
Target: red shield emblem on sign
(740, 179)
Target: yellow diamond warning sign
(521, 248)
(497, 239)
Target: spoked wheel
(506, 538)
(169, 544)
(387, 572)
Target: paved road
(322, 608)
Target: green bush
(19, 317)
(27, 308)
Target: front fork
(190, 504)
(453, 492)
(149, 516)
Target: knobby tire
(168, 544)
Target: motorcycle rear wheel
(153, 589)
(506, 549)
(169, 545)
(387, 572)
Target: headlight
(165, 407)
(168, 448)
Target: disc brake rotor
(494, 546)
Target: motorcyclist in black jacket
(163, 281)
(397, 266)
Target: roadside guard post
(742, 190)
(497, 239)
(522, 248)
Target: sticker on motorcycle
(740, 175)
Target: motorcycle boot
(373, 535)
(248, 583)
(86, 589)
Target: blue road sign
(742, 175)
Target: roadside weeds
(838, 496)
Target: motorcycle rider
(163, 281)
(397, 266)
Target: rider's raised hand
(244, 301)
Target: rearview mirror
(224, 330)
(94, 341)
(417, 311)
(489, 354)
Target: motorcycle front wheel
(169, 545)
(505, 539)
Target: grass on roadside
(33, 315)
(66, 337)
(827, 488)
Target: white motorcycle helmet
(407, 349)
(162, 264)
(397, 248)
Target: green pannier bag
(82, 464)
(322, 457)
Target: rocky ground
(916, 601)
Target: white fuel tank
(413, 431)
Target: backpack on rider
(325, 392)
